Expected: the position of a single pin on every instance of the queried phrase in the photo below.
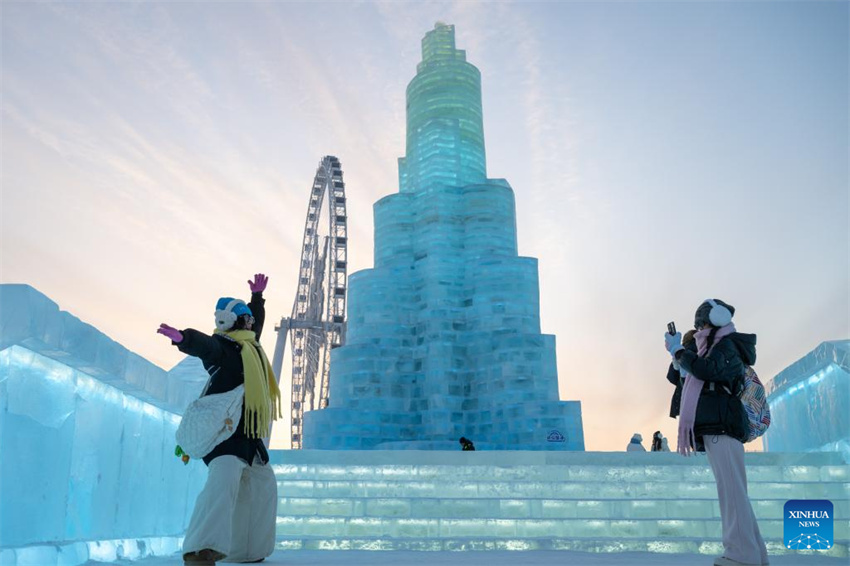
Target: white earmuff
(718, 315)
(226, 318)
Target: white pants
(236, 512)
(741, 537)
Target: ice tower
(443, 336)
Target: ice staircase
(586, 501)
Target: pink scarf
(692, 389)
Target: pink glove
(258, 285)
(169, 332)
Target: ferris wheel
(317, 323)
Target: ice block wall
(444, 335)
(86, 440)
(810, 402)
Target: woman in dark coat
(235, 514)
(711, 416)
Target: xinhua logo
(808, 524)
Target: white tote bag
(209, 421)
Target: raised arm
(257, 304)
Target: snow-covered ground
(492, 558)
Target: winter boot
(205, 557)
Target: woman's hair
(242, 322)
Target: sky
(156, 155)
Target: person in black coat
(222, 358)
(656, 441)
(235, 514)
(710, 411)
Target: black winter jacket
(719, 410)
(222, 359)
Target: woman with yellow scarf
(234, 516)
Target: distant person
(659, 442)
(235, 514)
(635, 444)
(466, 445)
(656, 441)
(713, 376)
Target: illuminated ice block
(87, 465)
(810, 403)
(588, 501)
(443, 336)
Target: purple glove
(169, 332)
(258, 285)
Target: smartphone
(671, 328)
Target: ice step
(682, 545)
(527, 508)
(555, 490)
(755, 473)
(517, 500)
(402, 527)
(349, 459)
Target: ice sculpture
(810, 402)
(86, 441)
(443, 335)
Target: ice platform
(517, 500)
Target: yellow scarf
(262, 396)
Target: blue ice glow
(100, 464)
(443, 335)
(87, 465)
(810, 402)
(76, 553)
(588, 501)
(808, 382)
